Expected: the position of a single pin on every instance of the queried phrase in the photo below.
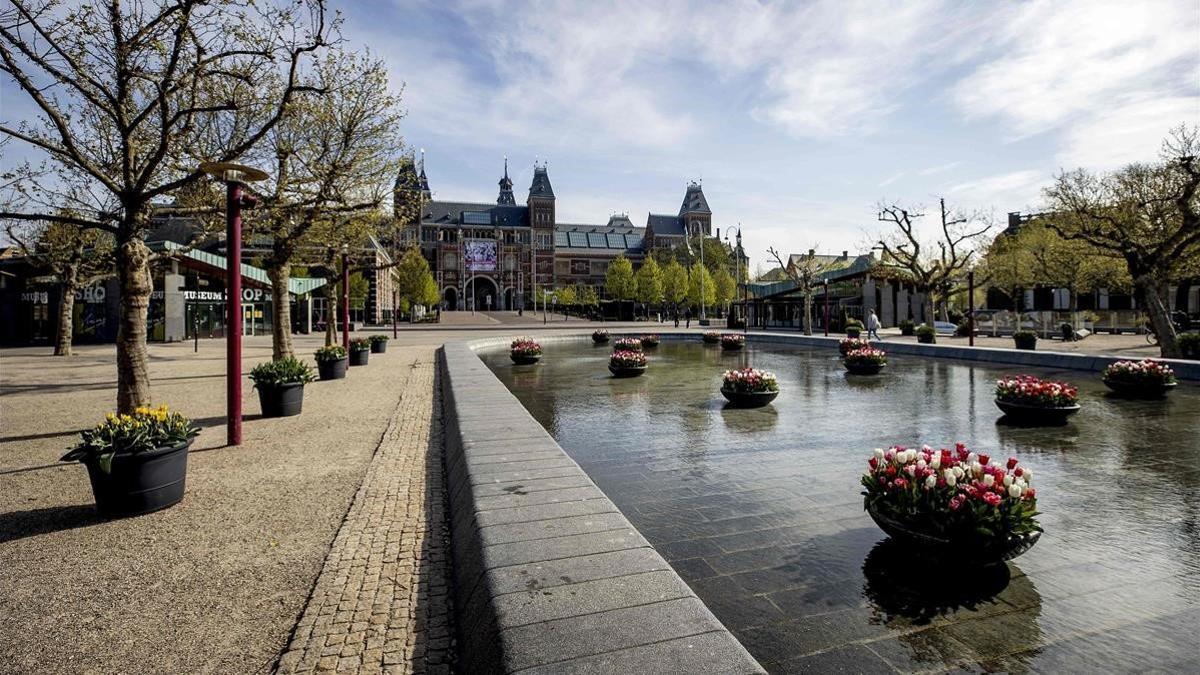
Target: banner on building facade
(480, 255)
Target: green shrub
(329, 353)
(283, 371)
(360, 344)
(378, 338)
(1189, 345)
(907, 327)
(926, 334)
(1024, 334)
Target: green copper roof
(296, 285)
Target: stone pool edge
(549, 576)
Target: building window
(450, 261)
(562, 267)
(599, 268)
(545, 241)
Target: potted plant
(732, 342)
(331, 362)
(136, 463)
(650, 341)
(749, 387)
(854, 328)
(1025, 339)
(926, 334)
(1143, 379)
(525, 351)
(1030, 399)
(866, 361)
(847, 345)
(907, 327)
(627, 344)
(955, 506)
(379, 344)
(360, 352)
(1189, 345)
(627, 363)
(280, 386)
(600, 336)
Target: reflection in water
(898, 587)
(748, 420)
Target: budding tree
(807, 271)
(134, 96)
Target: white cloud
(1132, 132)
(1012, 191)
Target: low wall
(549, 576)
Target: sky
(798, 117)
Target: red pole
(345, 301)
(826, 308)
(971, 307)
(395, 310)
(233, 304)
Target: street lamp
(346, 297)
(825, 282)
(234, 176)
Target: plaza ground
(317, 544)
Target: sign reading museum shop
(248, 295)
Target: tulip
(951, 480)
(988, 480)
(1012, 463)
(936, 462)
(1008, 480)
(878, 453)
(1014, 492)
(930, 482)
(920, 464)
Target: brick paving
(381, 602)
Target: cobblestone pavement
(381, 602)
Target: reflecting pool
(760, 510)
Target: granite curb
(549, 575)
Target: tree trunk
(808, 312)
(133, 273)
(331, 296)
(1147, 293)
(66, 311)
(281, 312)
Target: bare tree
(1147, 214)
(806, 271)
(135, 96)
(932, 269)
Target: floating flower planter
(360, 352)
(136, 463)
(749, 387)
(332, 362)
(1025, 398)
(865, 361)
(627, 363)
(711, 337)
(650, 341)
(525, 351)
(280, 386)
(1140, 379)
(600, 337)
(847, 345)
(952, 505)
(732, 342)
(379, 344)
(627, 344)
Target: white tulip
(989, 480)
(1008, 480)
(936, 461)
(878, 453)
(971, 457)
(920, 464)
(951, 479)
(1028, 476)
(930, 481)
(958, 472)
(1014, 492)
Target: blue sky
(799, 117)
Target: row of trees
(128, 99)
(670, 284)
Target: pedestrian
(675, 313)
(873, 326)
(688, 314)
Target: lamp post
(971, 307)
(234, 177)
(825, 283)
(346, 297)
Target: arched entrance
(509, 299)
(483, 292)
(451, 297)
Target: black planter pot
(525, 359)
(732, 346)
(333, 370)
(864, 368)
(1139, 389)
(140, 482)
(649, 345)
(710, 340)
(974, 551)
(1026, 343)
(360, 357)
(853, 332)
(626, 372)
(908, 330)
(927, 339)
(378, 346)
(600, 339)
(748, 399)
(281, 400)
(1032, 414)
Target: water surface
(760, 510)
